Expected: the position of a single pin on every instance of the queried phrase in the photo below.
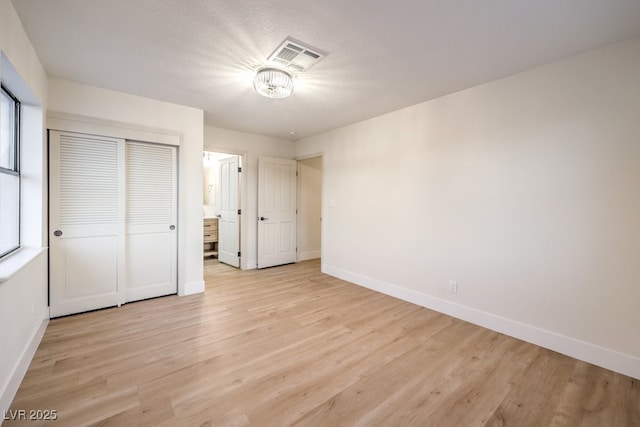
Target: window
(9, 172)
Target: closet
(112, 221)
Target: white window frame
(14, 169)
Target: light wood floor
(292, 346)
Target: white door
(151, 214)
(228, 220)
(276, 212)
(86, 222)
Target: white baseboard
(191, 288)
(20, 370)
(600, 356)
(303, 256)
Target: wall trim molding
(92, 125)
(606, 358)
(11, 388)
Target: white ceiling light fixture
(273, 82)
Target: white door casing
(86, 222)
(276, 211)
(228, 220)
(151, 218)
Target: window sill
(17, 261)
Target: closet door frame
(65, 122)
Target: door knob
(172, 227)
(57, 233)
(263, 218)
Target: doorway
(309, 208)
(289, 210)
(221, 208)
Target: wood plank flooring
(292, 346)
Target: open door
(228, 219)
(276, 212)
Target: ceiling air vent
(296, 56)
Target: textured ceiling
(382, 55)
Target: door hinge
(296, 173)
(239, 211)
(239, 169)
(238, 254)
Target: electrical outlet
(453, 286)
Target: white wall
(251, 147)
(309, 208)
(525, 190)
(24, 314)
(78, 99)
(23, 298)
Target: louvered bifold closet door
(86, 222)
(151, 213)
